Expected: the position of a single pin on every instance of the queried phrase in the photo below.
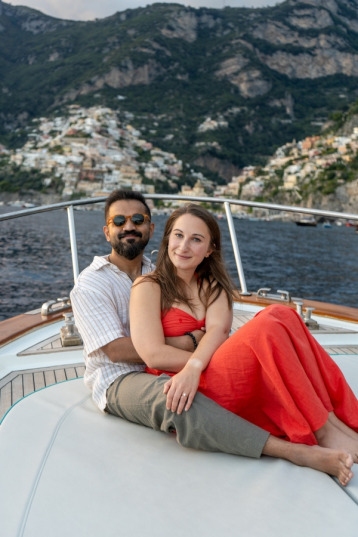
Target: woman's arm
(148, 339)
(185, 342)
(218, 321)
(147, 331)
(218, 325)
(122, 349)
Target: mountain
(220, 88)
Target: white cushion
(68, 470)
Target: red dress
(273, 373)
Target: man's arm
(122, 349)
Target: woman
(271, 372)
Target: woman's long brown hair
(211, 273)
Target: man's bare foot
(333, 437)
(336, 462)
(333, 462)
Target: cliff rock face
(320, 62)
(345, 199)
(118, 78)
(315, 49)
(222, 168)
(183, 26)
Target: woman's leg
(273, 373)
(337, 435)
(342, 426)
(320, 369)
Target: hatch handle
(55, 306)
(281, 295)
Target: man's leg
(138, 397)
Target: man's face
(128, 240)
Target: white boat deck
(19, 384)
(61, 445)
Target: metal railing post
(235, 247)
(72, 231)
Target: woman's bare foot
(333, 437)
(342, 426)
(336, 462)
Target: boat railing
(225, 202)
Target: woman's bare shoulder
(146, 283)
(144, 278)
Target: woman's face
(189, 242)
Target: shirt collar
(101, 261)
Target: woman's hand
(181, 388)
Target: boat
(306, 221)
(67, 469)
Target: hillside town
(92, 152)
(299, 163)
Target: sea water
(310, 262)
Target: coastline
(23, 199)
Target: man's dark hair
(119, 195)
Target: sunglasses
(137, 219)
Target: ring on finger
(184, 395)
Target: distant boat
(327, 224)
(306, 221)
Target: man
(115, 373)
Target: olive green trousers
(138, 397)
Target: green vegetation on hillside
(13, 178)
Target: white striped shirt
(100, 303)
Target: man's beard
(128, 249)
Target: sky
(92, 9)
